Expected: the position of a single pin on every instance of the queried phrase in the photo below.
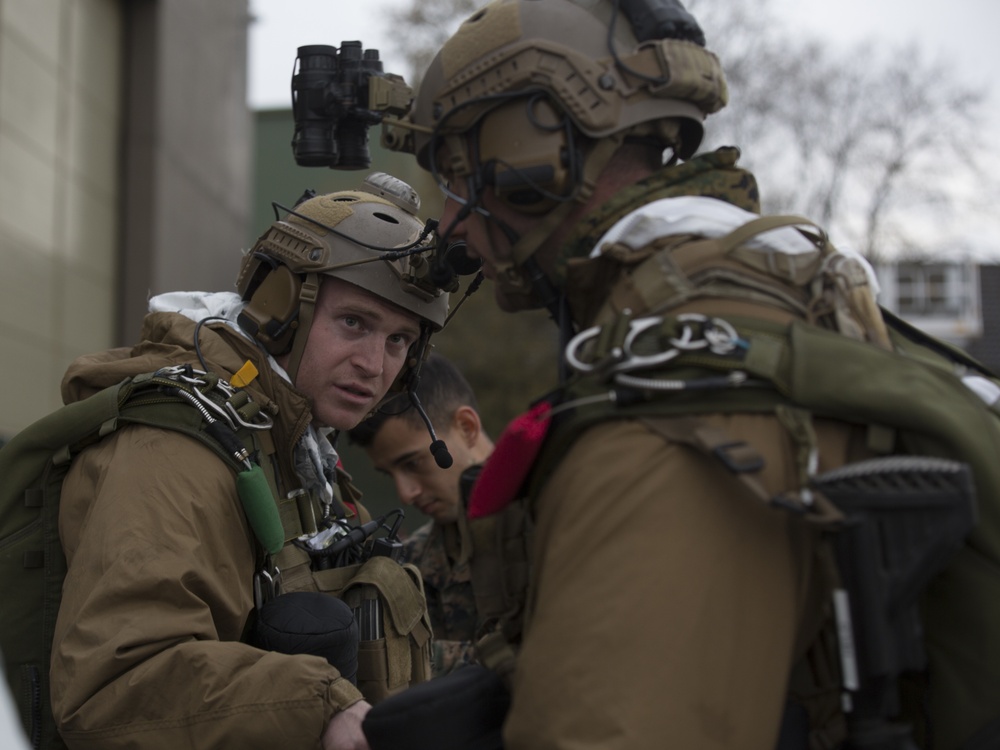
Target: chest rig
(386, 596)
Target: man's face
(484, 237)
(402, 451)
(483, 240)
(357, 346)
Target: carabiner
(635, 361)
(575, 343)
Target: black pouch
(307, 622)
(462, 710)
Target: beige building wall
(60, 94)
(187, 149)
(125, 162)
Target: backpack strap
(795, 269)
(744, 462)
(224, 419)
(34, 464)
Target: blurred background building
(129, 166)
(125, 170)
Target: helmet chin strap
(307, 307)
(523, 272)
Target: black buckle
(739, 457)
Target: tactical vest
(387, 598)
(34, 463)
(688, 325)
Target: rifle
(906, 518)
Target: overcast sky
(282, 26)
(962, 31)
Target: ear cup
(271, 313)
(523, 145)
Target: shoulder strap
(24, 457)
(33, 465)
(744, 462)
(197, 404)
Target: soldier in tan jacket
(150, 648)
(664, 605)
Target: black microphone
(458, 258)
(451, 261)
(441, 455)
(449, 258)
(438, 448)
(441, 273)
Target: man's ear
(466, 422)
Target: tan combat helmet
(611, 67)
(369, 237)
(530, 99)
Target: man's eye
(413, 465)
(401, 339)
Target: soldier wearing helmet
(663, 607)
(167, 576)
(319, 246)
(529, 103)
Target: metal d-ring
(717, 335)
(720, 336)
(575, 343)
(632, 360)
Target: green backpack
(33, 465)
(839, 357)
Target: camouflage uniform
(433, 548)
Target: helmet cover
(345, 235)
(585, 56)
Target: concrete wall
(187, 146)
(60, 94)
(125, 170)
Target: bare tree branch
(427, 25)
(860, 140)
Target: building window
(930, 290)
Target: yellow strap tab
(245, 375)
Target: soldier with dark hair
(396, 442)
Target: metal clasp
(575, 344)
(697, 332)
(196, 382)
(266, 585)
